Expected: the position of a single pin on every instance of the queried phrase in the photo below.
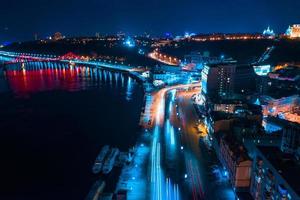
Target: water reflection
(130, 86)
(54, 134)
(42, 76)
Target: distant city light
(188, 35)
(5, 44)
(168, 35)
(225, 173)
(129, 42)
(146, 74)
(141, 52)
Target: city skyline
(157, 99)
(23, 20)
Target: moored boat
(110, 160)
(100, 159)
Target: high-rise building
(226, 80)
(244, 79)
(217, 80)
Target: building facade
(291, 138)
(236, 160)
(227, 80)
(217, 80)
(293, 31)
(274, 176)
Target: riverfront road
(198, 159)
(168, 60)
(179, 163)
(166, 170)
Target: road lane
(197, 156)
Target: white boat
(110, 160)
(100, 159)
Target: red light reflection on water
(24, 82)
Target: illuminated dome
(269, 32)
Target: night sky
(20, 19)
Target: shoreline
(138, 128)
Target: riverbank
(55, 121)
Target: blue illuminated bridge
(15, 57)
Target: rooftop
(283, 122)
(240, 153)
(284, 164)
(289, 73)
(216, 115)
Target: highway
(198, 158)
(164, 58)
(180, 164)
(166, 169)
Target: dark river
(54, 119)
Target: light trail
(156, 171)
(129, 89)
(194, 175)
(170, 142)
(172, 190)
(166, 60)
(191, 161)
(158, 183)
(172, 136)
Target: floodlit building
(57, 36)
(287, 108)
(269, 32)
(293, 31)
(197, 60)
(167, 74)
(262, 70)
